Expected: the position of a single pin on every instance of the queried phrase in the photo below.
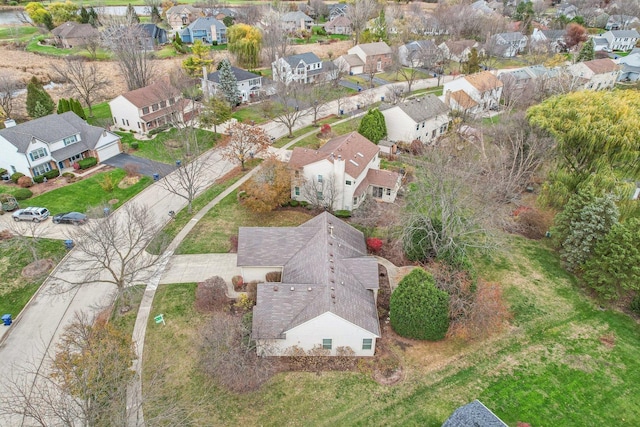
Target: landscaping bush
(635, 304)
(252, 291)
(293, 203)
(211, 295)
(88, 162)
(22, 194)
(418, 309)
(238, 283)
(342, 214)
(273, 276)
(25, 181)
(374, 244)
(68, 175)
(131, 169)
(134, 145)
(2, 171)
(49, 175)
(16, 176)
(304, 204)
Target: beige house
(341, 174)
(326, 299)
(459, 50)
(73, 34)
(182, 15)
(599, 74)
(424, 119)
(339, 25)
(473, 94)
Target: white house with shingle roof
(304, 68)
(623, 40)
(148, 108)
(326, 298)
(52, 142)
(474, 93)
(248, 83)
(424, 119)
(598, 74)
(342, 173)
(296, 21)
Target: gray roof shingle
(473, 414)
(206, 23)
(421, 109)
(296, 16)
(307, 58)
(240, 74)
(325, 269)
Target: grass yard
(17, 33)
(213, 231)
(88, 193)
(101, 112)
(561, 351)
(35, 46)
(312, 141)
(248, 113)
(161, 148)
(15, 290)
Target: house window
(38, 154)
(348, 182)
(154, 107)
(122, 122)
(163, 104)
(418, 126)
(115, 120)
(172, 101)
(326, 344)
(377, 192)
(13, 169)
(367, 343)
(127, 122)
(319, 178)
(70, 140)
(145, 110)
(41, 169)
(433, 134)
(388, 191)
(320, 195)
(423, 125)
(138, 125)
(296, 191)
(379, 65)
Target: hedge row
(88, 162)
(49, 175)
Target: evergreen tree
(84, 15)
(93, 17)
(132, 15)
(200, 58)
(48, 22)
(228, 83)
(37, 94)
(373, 126)
(63, 106)
(155, 15)
(587, 52)
(473, 63)
(76, 107)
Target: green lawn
(248, 113)
(101, 113)
(312, 141)
(34, 46)
(161, 148)
(15, 33)
(87, 193)
(560, 352)
(213, 231)
(15, 290)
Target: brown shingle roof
(457, 47)
(340, 21)
(356, 151)
(377, 48)
(379, 178)
(601, 66)
(484, 81)
(148, 95)
(325, 269)
(463, 100)
(74, 30)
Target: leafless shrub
(211, 295)
(273, 276)
(252, 291)
(131, 169)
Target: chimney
(9, 123)
(447, 97)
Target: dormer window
(70, 140)
(145, 110)
(155, 107)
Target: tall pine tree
(63, 106)
(372, 126)
(228, 83)
(37, 95)
(587, 52)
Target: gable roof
(296, 16)
(354, 149)
(512, 36)
(352, 60)
(420, 109)
(72, 29)
(206, 23)
(325, 269)
(339, 21)
(239, 73)
(148, 95)
(601, 66)
(554, 34)
(376, 48)
(53, 128)
(179, 9)
(152, 30)
(625, 33)
(378, 178)
(458, 47)
(473, 414)
(463, 99)
(484, 80)
(307, 58)
(421, 45)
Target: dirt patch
(128, 181)
(37, 268)
(608, 340)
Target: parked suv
(31, 214)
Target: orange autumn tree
(269, 188)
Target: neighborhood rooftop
(145, 96)
(420, 109)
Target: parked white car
(31, 214)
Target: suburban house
(308, 10)
(423, 119)
(366, 58)
(154, 35)
(55, 141)
(339, 25)
(304, 68)
(221, 12)
(296, 21)
(623, 40)
(208, 30)
(182, 15)
(341, 173)
(73, 34)
(473, 94)
(459, 50)
(600, 44)
(249, 84)
(326, 297)
(621, 22)
(148, 108)
(473, 414)
(599, 74)
(507, 45)
(568, 10)
(630, 65)
(417, 53)
(337, 9)
(554, 39)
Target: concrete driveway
(196, 268)
(145, 166)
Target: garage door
(108, 151)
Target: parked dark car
(75, 218)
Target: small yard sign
(159, 319)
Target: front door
(60, 165)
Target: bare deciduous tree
(84, 78)
(359, 12)
(320, 95)
(275, 40)
(8, 86)
(292, 100)
(321, 193)
(245, 142)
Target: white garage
(108, 150)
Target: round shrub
(22, 194)
(293, 203)
(88, 162)
(238, 283)
(635, 305)
(418, 309)
(343, 213)
(16, 176)
(134, 145)
(25, 181)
